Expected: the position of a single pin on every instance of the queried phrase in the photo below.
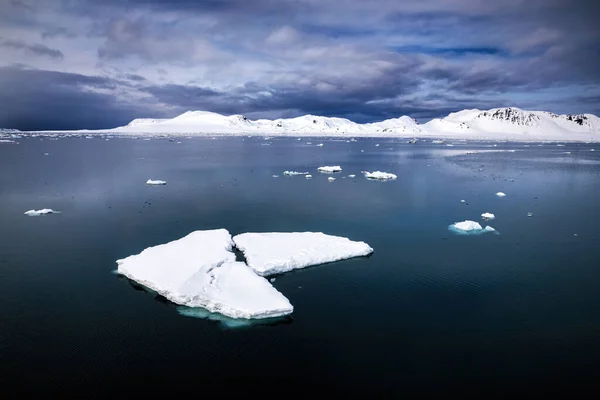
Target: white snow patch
(155, 182)
(199, 270)
(383, 176)
(274, 253)
(43, 211)
(332, 168)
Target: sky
(74, 64)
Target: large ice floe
(200, 270)
(278, 252)
(330, 169)
(378, 175)
(470, 228)
(43, 211)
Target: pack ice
(278, 252)
(200, 270)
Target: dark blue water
(430, 312)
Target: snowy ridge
(509, 123)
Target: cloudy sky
(68, 64)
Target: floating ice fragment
(530, 214)
(276, 252)
(43, 211)
(469, 228)
(488, 216)
(309, 176)
(275, 176)
(199, 270)
(352, 176)
(292, 173)
(320, 145)
(463, 201)
(155, 182)
(383, 176)
(500, 194)
(333, 168)
(331, 179)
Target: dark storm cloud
(35, 48)
(365, 60)
(44, 100)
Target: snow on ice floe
(200, 270)
(488, 216)
(43, 211)
(155, 182)
(382, 176)
(292, 173)
(332, 168)
(469, 228)
(277, 252)
(500, 194)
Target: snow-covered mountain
(496, 124)
(516, 124)
(208, 122)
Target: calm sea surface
(430, 312)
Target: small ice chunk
(292, 173)
(500, 194)
(487, 216)
(274, 253)
(331, 179)
(332, 168)
(309, 176)
(352, 176)
(43, 211)
(199, 270)
(469, 228)
(384, 176)
(46, 154)
(155, 182)
(308, 143)
(275, 176)
(320, 145)
(463, 201)
(530, 214)
(377, 145)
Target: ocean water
(430, 312)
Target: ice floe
(155, 182)
(308, 176)
(488, 216)
(500, 194)
(199, 270)
(382, 176)
(292, 173)
(277, 252)
(332, 168)
(331, 179)
(469, 228)
(43, 211)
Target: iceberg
(382, 176)
(487, 216)
(329, 169)
(43, 211)
(199, 270)
(469, 228)
(292, 173)
(277, 252)
(500, 194)
(155, 182)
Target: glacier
(507, 123)
(278, 252)
(200, 270)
